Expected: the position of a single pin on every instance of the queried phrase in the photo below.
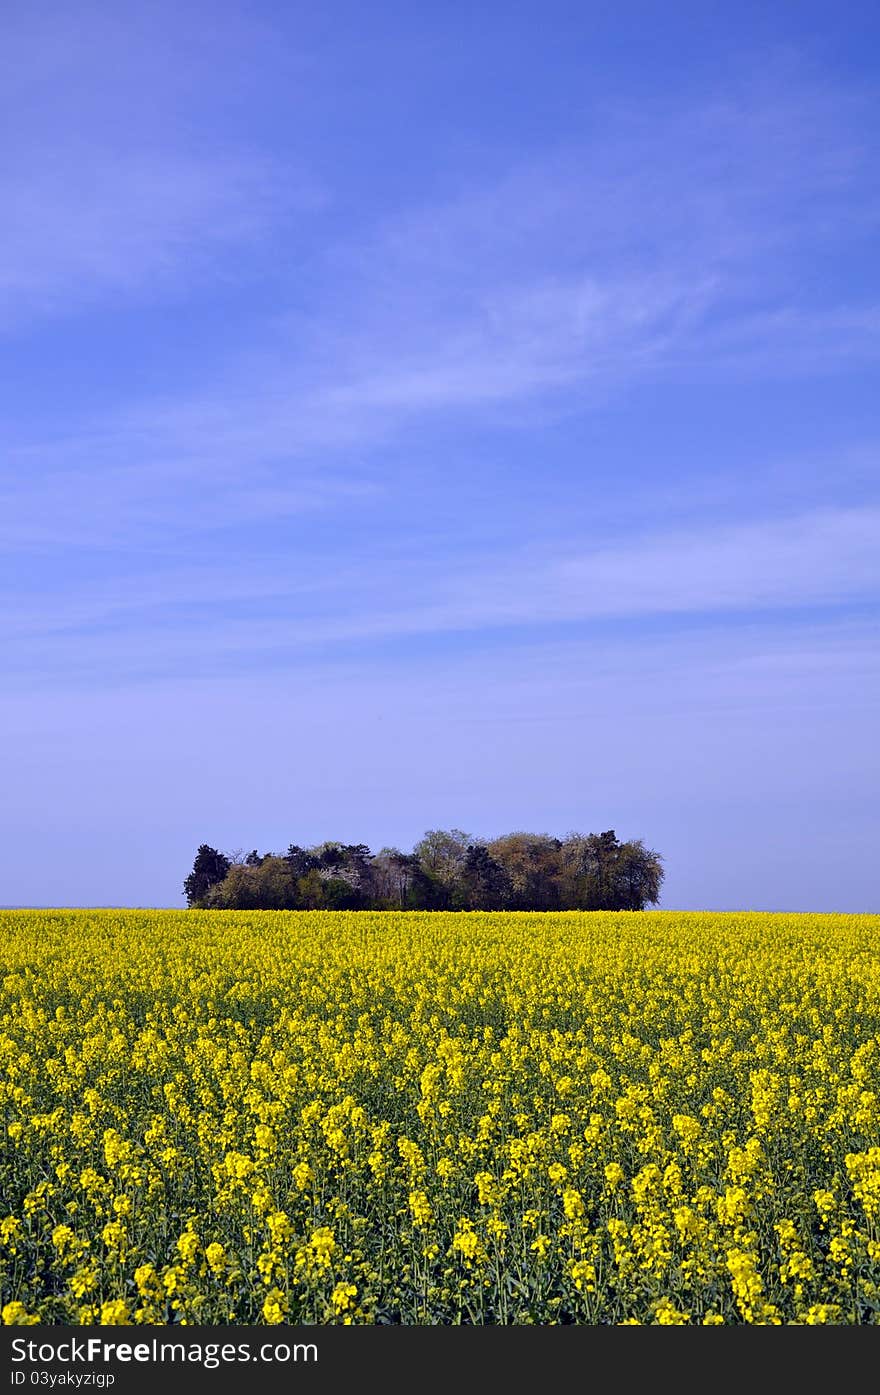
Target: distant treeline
(446, 871)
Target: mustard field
(316, 1117)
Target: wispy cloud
(84, 227)
(114, 188)
(163, 620)
(157, 503)
(661, 252)
(673, 249)
(675, 244)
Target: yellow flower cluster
(319, 1117)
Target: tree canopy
(209, 869)
(447, 870)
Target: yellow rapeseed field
(267, 1117)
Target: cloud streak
(664, 253)
(116, 190)
(165, 622)
(86, 228)
(529, 446)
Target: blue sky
(440, 414)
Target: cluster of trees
(446, 870)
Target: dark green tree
(340, 895)
(310, 890)
(238, 891)
(209, 868)
(599, 873)
(487, 885)
(275, 885)
(638, 876)
(299, 859)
